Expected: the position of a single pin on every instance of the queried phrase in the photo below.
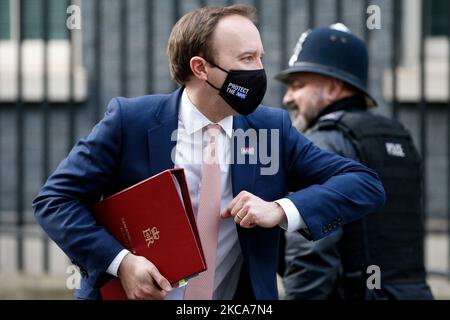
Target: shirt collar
(193, 120)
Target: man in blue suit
(215, 54)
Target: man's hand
(249, 211)
(141, 279)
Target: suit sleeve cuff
(294, 219)
(114, 266)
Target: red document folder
(154, 219)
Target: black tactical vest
(392, 238)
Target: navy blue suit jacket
(133, 142)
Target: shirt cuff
(294, 219)
(114, 266)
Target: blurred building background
(55, 84)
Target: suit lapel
(160, 140)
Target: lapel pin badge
(247, 151)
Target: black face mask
(243, 90)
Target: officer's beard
(300, 123)
(302, 120)
(311, 111)
(298, 120)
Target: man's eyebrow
(251, 52)
(295, 82)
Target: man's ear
(335, 89)
(198, 68)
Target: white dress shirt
(188, 155)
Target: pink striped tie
(208, 216)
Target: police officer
(380, 256)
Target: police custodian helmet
(333, 52)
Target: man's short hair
(192, 36)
